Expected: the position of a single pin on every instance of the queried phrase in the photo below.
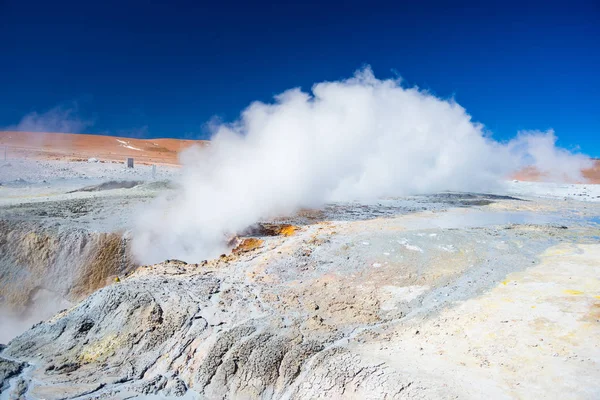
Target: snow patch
(127, 145)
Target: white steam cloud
(353, 139)
(58, 119)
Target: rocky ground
(452, 295)
(64, 232)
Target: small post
(153, 171)
(129, 162)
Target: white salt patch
(408, 246)
(449, 248)
(376, 265)
(414, 248)
(366, 243)
(386, 254)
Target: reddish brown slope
(147, 151)
(592, 175)
(81, 146)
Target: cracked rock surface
(411, 298)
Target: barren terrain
(69, 146)
(439, 296)
(80, 147)
(591, 175)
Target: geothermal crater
(450, 295)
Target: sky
(166, 68)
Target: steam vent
(447, 295)
(299, 200)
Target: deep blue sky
(170, 66)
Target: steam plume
(352, 139)
(58, 119)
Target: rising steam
(353, 139)
(61, 119)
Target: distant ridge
(79, 146)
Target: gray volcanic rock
(420, 305)
(139, 335)
(56, 248)
(8, 369)
(157, 330)
(43, 268)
